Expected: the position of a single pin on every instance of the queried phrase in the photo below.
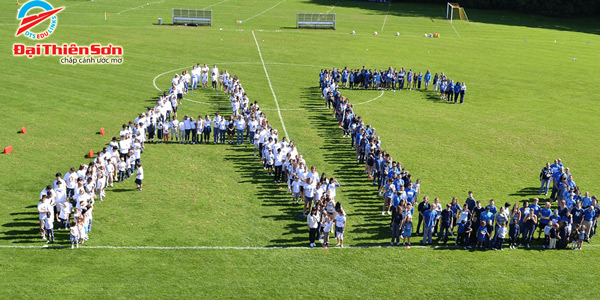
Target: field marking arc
(215, 4)
(332, 7)
(270, 86)
(264, 11)
(137, 7)
(252, 63)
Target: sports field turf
(528, 102)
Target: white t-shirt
(340, 220)
(140, 173)
(65, 210)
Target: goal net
(450, 7)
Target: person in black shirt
(545, 178)
(513, 234)
(423, 206)
(446, 222)
(470, 202)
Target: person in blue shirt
(544, 218)
(429, 217)
(487, 218)
(427, 78)
(409, 79)
(482, 234)
(456, 91)
(345, 77)
(419, 79)
(450, 90)
(555, 217)
(410, 194)
(586, 201)
(588, 219)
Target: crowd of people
(574, 220)
(391, 79)
(69, 201)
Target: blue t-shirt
(427, 76)
(486, 216)
(587, 201)
(555, 218)
(536, 208)
(461, 227)
(545, 212)
(410, 195)
(589, 215)
(429, 217)
(481, 232)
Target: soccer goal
(315, 20)
(450, 12)
(192, 17)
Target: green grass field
(528, 102)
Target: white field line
(386, 16)
(215, 4)
(458, 35)
(420, 247)
(368, 101)
(138, 7)
(333, 7)
(262, 12)
(270, 86)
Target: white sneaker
(383, 212)
(77, 246)
(389, 212)
(72, 246)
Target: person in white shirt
(49, 228)
(139, 177)
(43, 210)
(309, 193)
(122, 168)
(216, 125)
(340, 224)
(240, 125)
(214, 76)
(74, 235)
(174, 129)
(65, 209)
(71, 181)
(166, 130)
(327, 226)
(313, 226)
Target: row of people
(390, 79)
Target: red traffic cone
(7, 150)
(91, 154)
(23, 130)
(102, 131)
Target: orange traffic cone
(91, 154)
(102, 131)
(23, 130)
(7, 150)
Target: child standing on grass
(482, 233)
(547, 230)
(407, 232)
(49, 227)
(327, 226)
(74, 234)
(139, 177)
(582, 237)
(340, 224)
(575, 236)
(513, 233)
(296, 190)
(553, 236)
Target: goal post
(450, 12)
(315, 20)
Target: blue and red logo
(31, 20)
